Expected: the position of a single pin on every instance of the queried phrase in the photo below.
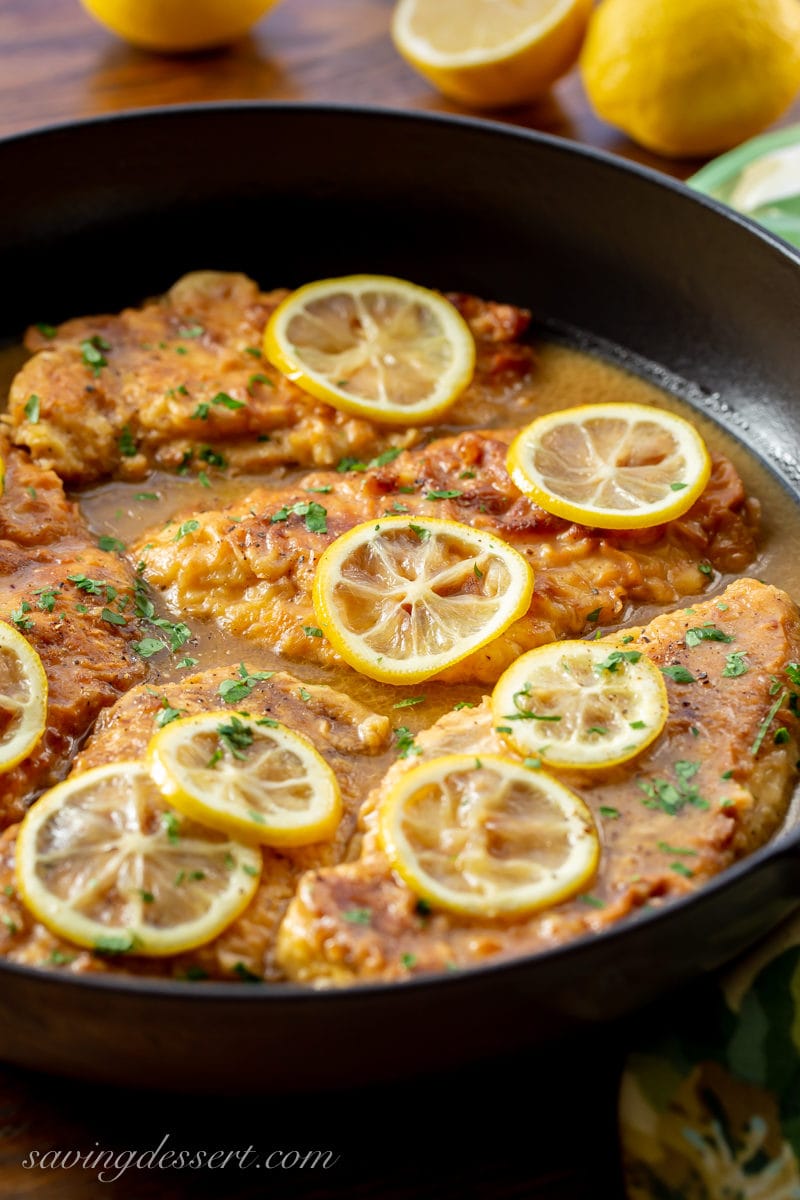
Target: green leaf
(32, 406)
(678, 673)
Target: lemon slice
(23, 698)
(487, 53)
(612, 466)
(403, 598)
(248, 776)
(103, 861)
(487, 837)
(581, 704)
(374, 346)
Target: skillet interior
(100, 214)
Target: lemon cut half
(104, 861)
(611, 466)
(248, 776)
(374, 346)
(402, 599)
(23, 698)
(581, 704)
(489, 53)
(487, 837)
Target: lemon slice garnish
(612, 466)
(488, 54)
(401, 599)
(487, 837)
(581, 704)
(374, 346)
(104, 861)
(248, 776)
(23, 698)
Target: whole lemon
(176, 26)
(692, 77)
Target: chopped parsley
(315, 515)
(409, 702)
(32, 406)
(166, 714)
(127, 443)
(147, 496)
(616, 658)
(463, 704)
(112, 618)
(201, 412)
(735, 665)
(19, 617)
(191, 331)
(120, 943)
(236, 737)
(705, 633)
(594, 615)
(405, 742)
(608, 812)
(233, 691)
(186, 527)
(358, 916)
(207, 455)
(765, 724)
(47, 598)
(672, 797)
(313, 631)
(223, 400)
(91, 353)
(420, 532)
(48, 331)
(147, 647)
(111, 544)
(679, 674)
(172, 824)
(446, 494)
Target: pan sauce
(566, 376)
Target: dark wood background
(531, 1128)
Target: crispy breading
(730, 779)
(88, 660)
(349, 736)
(181, 383)
(250, 567)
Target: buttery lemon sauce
(566, 377)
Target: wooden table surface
(56, 64)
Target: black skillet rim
(268, 993)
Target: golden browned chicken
(713, 787)
(181, 384)
(73, 602)
(352, 739)
(250, 567)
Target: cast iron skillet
(95, 216)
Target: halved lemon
(581, 704)
(611, 466)
(248, 776)
(401, 599)
(486, 53)
(104, 861)
(487, 837)
(374, 346)
(23, 698)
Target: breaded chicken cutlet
(250, 567)
(712, 788)
(181, 383)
